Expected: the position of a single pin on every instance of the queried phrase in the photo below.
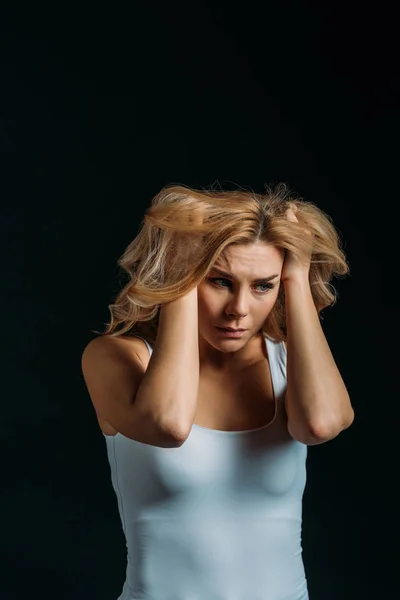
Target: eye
(267, 285)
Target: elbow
(323, 432)
(348, 420)
(176, 435)
(344, 422)
(306, 435)
(318, 433)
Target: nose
(237, 307)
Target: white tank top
(218, 518)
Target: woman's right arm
(154, 404)
(169, 390)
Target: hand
(292, 267)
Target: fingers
(290, 213)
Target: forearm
(317, 400)
(169, 389)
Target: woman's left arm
(317, 403)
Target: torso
(237, 401)
(228, 402)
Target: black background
(100, 107)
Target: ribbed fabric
(220, 517)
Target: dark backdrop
(101, 107)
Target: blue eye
(267, 285)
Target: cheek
(274, 297)
(205, 301)
(206, 295)
(270, 302)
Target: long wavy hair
(184, 231)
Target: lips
(231, 329)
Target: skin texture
(238, 302)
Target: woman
(206, 430)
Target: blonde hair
(183, 233)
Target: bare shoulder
(116, 346)
(113, 369)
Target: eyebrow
(226, 274)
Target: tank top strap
(150, 349)
(278, 364)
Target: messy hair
(183, 233)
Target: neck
(227, 362)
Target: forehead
(249, 255)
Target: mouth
(230, 329)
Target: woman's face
(243, 299)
